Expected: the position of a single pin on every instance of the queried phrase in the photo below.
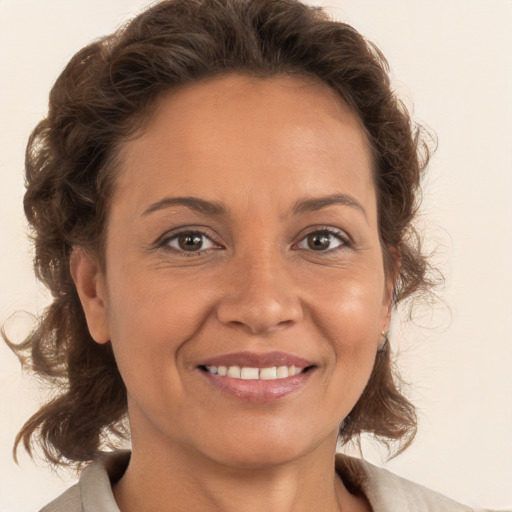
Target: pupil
(317, 242)
(190, 242)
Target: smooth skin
(259, 268)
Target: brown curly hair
(103, 97)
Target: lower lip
(257, 390)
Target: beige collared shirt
(385, 491)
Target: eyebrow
(194, 203)
(317, 203)
(217, 208)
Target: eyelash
(343, 238)
(164, 242)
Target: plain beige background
(451, 60)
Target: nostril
(259, 313)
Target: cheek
(157, 302)
(349, 311)
(351, 324)
(349, 304)
(150, 319)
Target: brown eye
(322, 240)
(319, 241)
(190, 241)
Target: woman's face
(243, 239)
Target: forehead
(237, 132)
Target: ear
(390, 282)
(90, 285)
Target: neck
(168, 475)
(175, 480)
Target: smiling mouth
(256, 377)
(250, 373)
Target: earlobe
(386, 316)
(90, 285)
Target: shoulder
(69, 501)
(388, 492)
(401, 494)
(93, 492)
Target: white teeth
(249, 373)
(268, 373)
(282, 372)
(234, 371)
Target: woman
(221, 198)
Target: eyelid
(163, 240)
(336, 232)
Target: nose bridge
(261, 295)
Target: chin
(252, 458)
(265, 449)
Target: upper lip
(254, 360)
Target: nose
(260, 298)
